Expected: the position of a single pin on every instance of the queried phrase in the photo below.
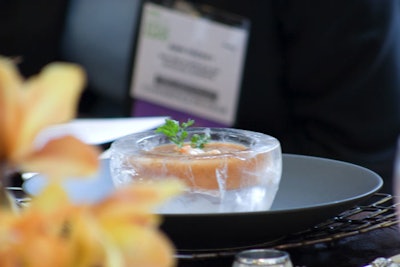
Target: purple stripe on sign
(144, 109)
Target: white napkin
(100, 131)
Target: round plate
(311, 190)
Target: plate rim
(377, 187)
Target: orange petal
(138, 246)
(10, 84)
(63, 157)
(144, 195)
(39, 229)
(86, 239)
(49, 98)
(44, 237)
(144, 247)
(52, 198)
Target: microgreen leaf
(177, 133)
(198, 141)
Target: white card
(189, 63)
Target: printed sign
(189, 63)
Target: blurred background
(321, 77)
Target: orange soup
(219, 167)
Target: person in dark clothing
(30, 31)
(324, 77)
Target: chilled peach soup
(216, 166)
(237, 171)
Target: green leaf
(177, 133)
(198, 141)
(170, 128)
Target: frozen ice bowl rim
(257, 142)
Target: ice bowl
(236, 171)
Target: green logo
(156, 30)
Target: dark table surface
(353, 238)
(358, 250)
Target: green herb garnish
(176, 133)
(198, 141)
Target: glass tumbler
(262, 257)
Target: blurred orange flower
(28, 106)
(119, 231)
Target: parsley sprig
(177, 134)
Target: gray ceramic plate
(312, 189)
